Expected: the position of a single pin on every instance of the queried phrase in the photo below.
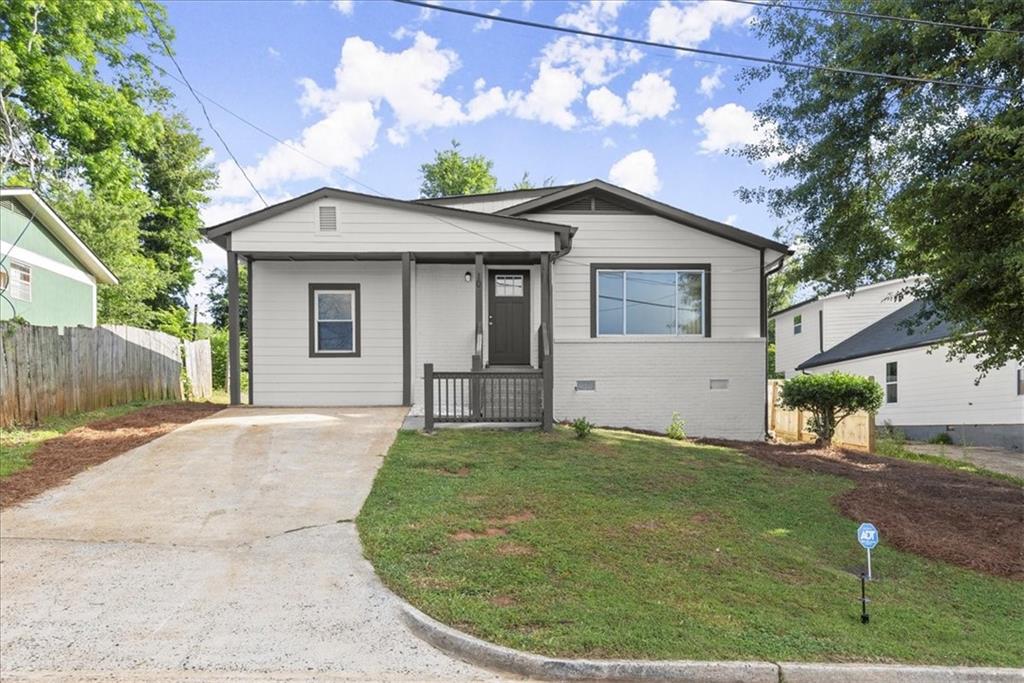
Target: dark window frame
(357, 346)
(1020, 381)
(894, 382)
(706, 304)
(798, 324)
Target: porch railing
(482, 395)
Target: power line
(696, 50)
(771, 4)
(206, 114)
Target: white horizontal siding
(627, 238)
(367, 228)
(932, 391)
(793, 349)
(641, 383)
(283, 372)
(846, 316)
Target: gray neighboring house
(542, 304)
(925, 395)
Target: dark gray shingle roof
(881, 337)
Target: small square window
(798, 324)
(333, 320)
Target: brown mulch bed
(60, 458)
(965, 519)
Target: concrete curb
(496, 657)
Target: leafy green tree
(177, 182)
(84, 120)
(526, 184)
(888, 179)
(217, 297)
(830, 398)
(452, 172)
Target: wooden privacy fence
(199, 368)
(44, 372)
(856, 431)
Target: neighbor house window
(334, 320)
(650, 301)
(798, 324)
(1020, 381)
(19, 284)
(891, 377)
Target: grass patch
(624, 545)
(895, 447)
(18, 443)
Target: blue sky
(370, 89)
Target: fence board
(44, 372)
(856, 431)
(199, 368)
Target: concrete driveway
(224, 549)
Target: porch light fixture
(468, 276)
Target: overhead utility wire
(206, 114)
(701, 51)
(869, 15)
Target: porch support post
(406, 329)
(479, 279)
(234, 336)
(546, 352)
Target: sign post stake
(869, 564)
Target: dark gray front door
(509, 317)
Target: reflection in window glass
(650, 302)
(508, 285)
(335, 322)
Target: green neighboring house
(47, 274)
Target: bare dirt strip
(60, 458)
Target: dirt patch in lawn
(60, 458)
(966, 519)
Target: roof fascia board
(64, 234)
(811, 363)
(666, 211)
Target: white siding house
(925, 393)
(581, 300)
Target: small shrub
(675, 428)
(582, 427)
(941, 438)
(830, 398)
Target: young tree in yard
(451, 173)
(886, 179)
(83, 120)
(217, 297)
(830, 398)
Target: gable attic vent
(328, 219)
(595, 202)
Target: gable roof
(883, 336)
(647, 205)
(442, 212)
(48, 218)
(492, 196)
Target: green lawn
(624, 545)
(18, 443)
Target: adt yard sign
(867, 534)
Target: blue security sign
(867, 534)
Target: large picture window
(334, 320)
(639, 300)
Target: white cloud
(731, 127)
(651, 96)
(607, 143)
(486, 24)
(527, 5)
(730, 219)
(637, 171)
(691, 25)
(711, 82)
(594, 16)
(343, 6)
(550, 98)
(274, 54)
